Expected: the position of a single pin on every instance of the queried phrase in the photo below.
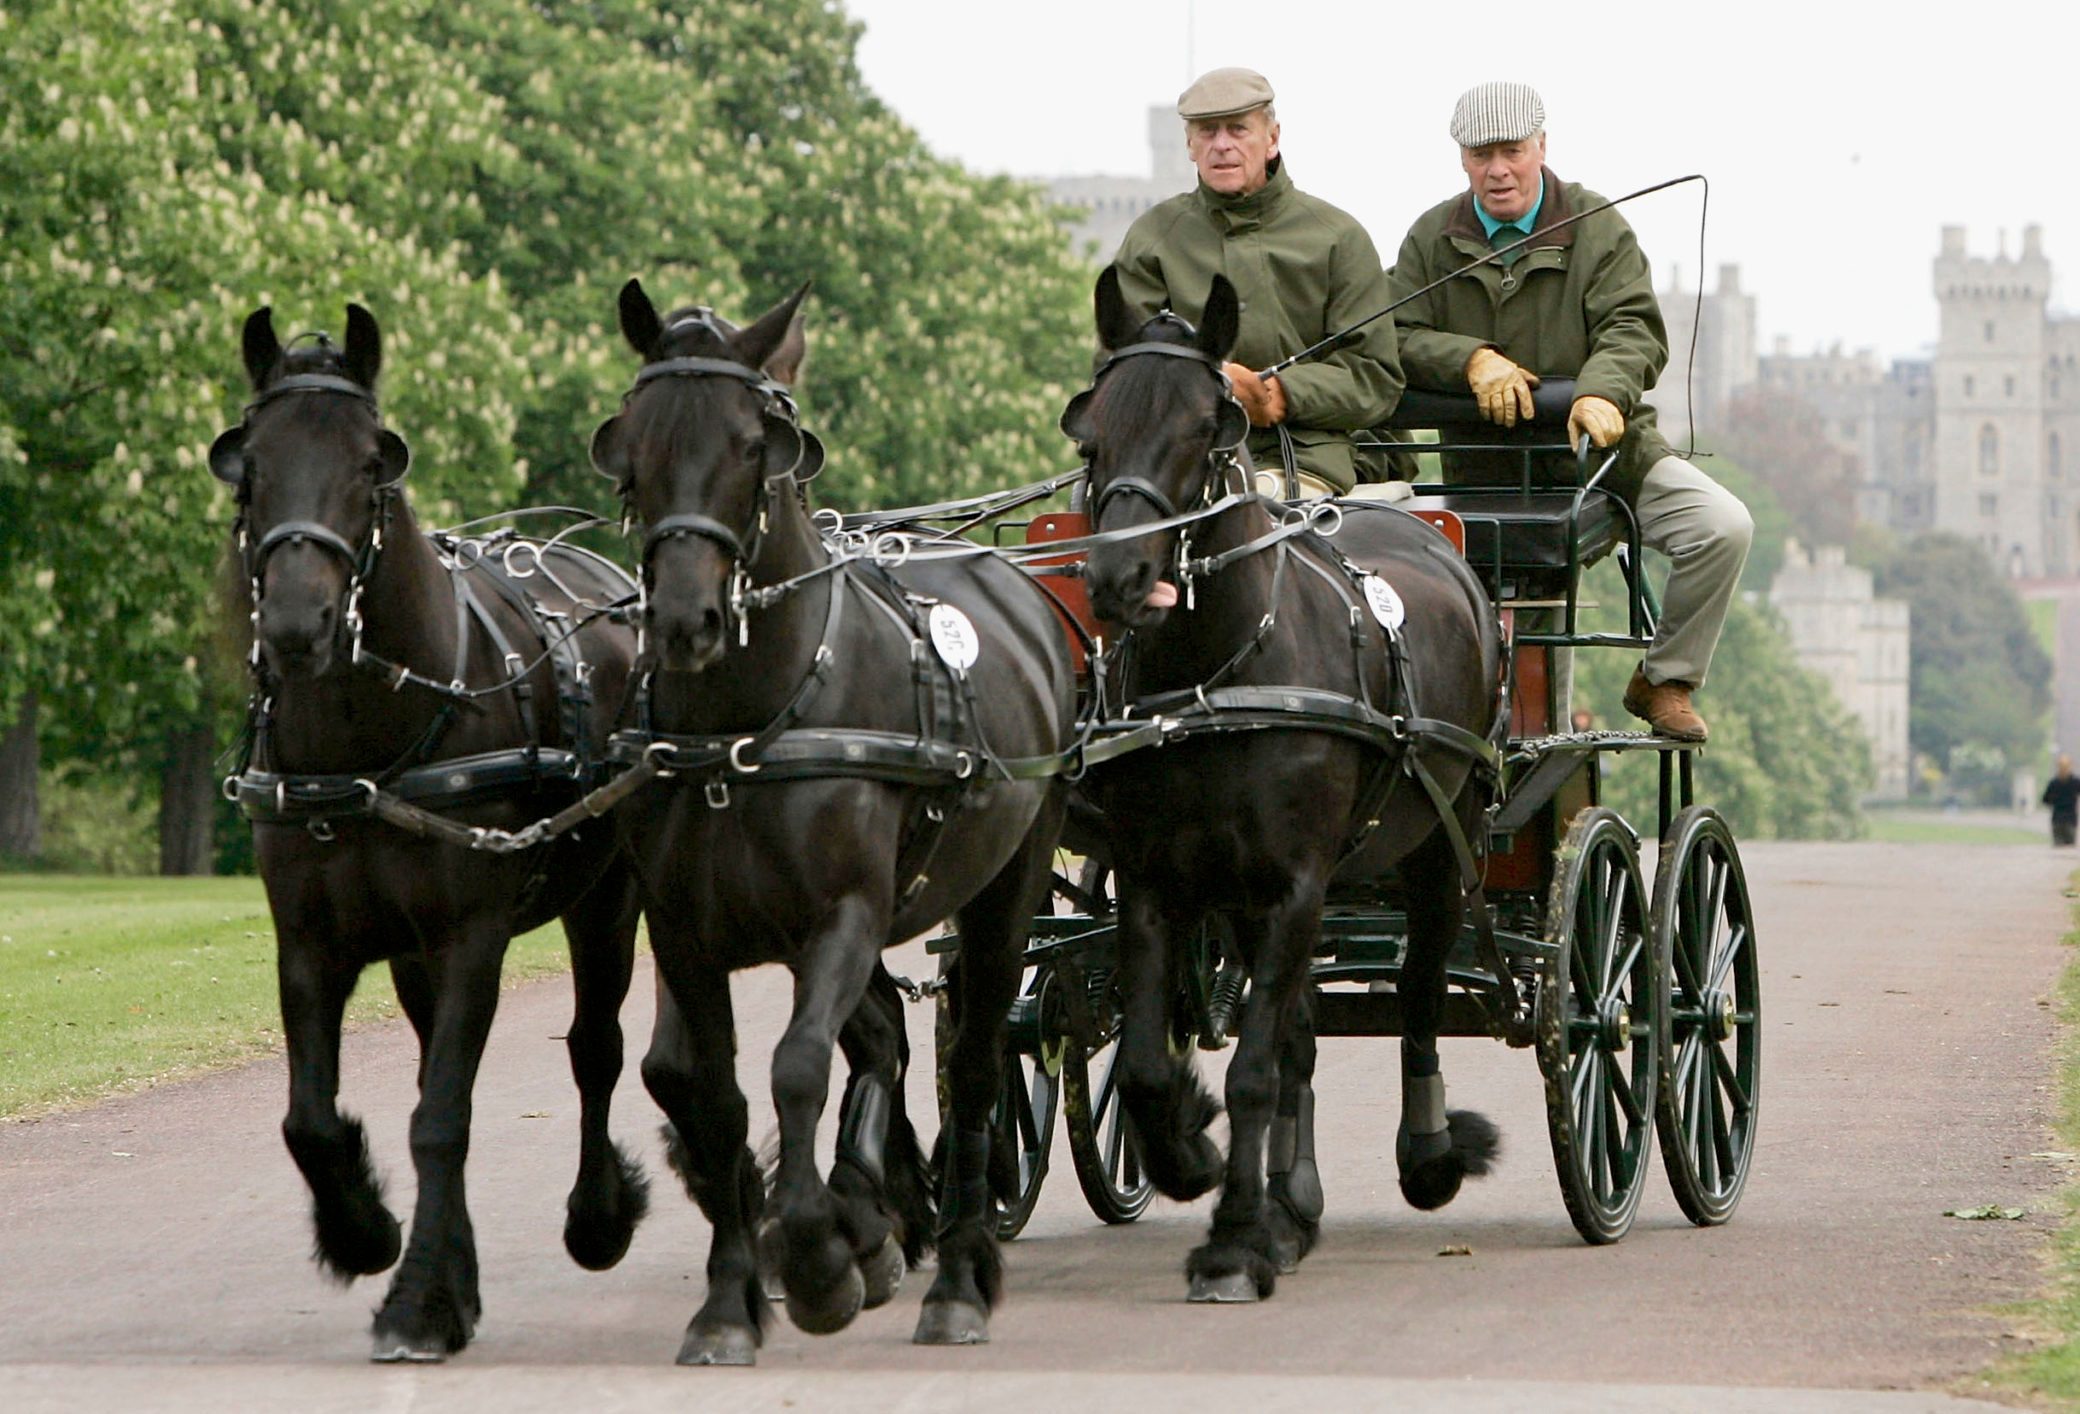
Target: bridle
(1221, 459)
(229, 463)
(739, 547)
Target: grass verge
(2051, 1373)
(111, 984)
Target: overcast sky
(1838, 138)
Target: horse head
(315, 471)
(1157, 426)
(700, 442)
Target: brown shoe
(1664, 706)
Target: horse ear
(364, 348)
(1222, 320)
(639, 322)
(1117, 326)
(263, 351)
(765, 337)
(784, 364)
(1076, 419)
(609, 457)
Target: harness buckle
(737, 762)
(229, 787)
(654, 756)
(321, 830)
(1325, 517)
(964, 767)
(716, 794)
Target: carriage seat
(1519, 534)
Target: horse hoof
(392, 1348)
(1232, 1288)
(951, 1323)
(835, 1311)
(883, 1272)
(1286, 1257)
(725, 1345)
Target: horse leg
(610, 1195)
(1435, 1149)
(879, 1178)
(432, 1306)
(1164, 1100)
(1291, 1178)
(993, 928)
(1238, 1261)
(355, 1235)
(813, 1245)
(690, 1070)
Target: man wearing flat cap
(1304, 270)
(1569, 302)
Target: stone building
(1111, 203)
(1702, 384)
(1858, 643)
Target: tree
(1784, 442)
(1979, 685)
(483, 175)
(1785, 761)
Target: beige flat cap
(1223, 92)
(1497, 112)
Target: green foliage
(1980, 684)
(483, 176)
(1785, 761)
(111, 984)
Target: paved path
(152, 1249)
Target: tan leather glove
(1599, 417)
(1501, 388)
(1261, 398)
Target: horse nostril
(711, 624)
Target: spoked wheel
(1107, 1168)
(1106, 1165)
(1597, 1027)
(1711, 1027)
(1029, 1098)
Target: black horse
(847, 741)
(379, 664)
(1252, 824)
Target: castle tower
(1990, 376)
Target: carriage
(1643, 1007)
(1640, 998)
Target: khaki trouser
(1705, 531)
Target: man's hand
(1599, 417)
(1501, 388)
(1261, 398)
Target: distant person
(2062, 794)
(1576, 302)
(1303, 268)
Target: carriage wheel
(1022, 1124)
(1711, 1036)
(1107, 1166)
(1596, 1025)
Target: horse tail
(1431, 1180)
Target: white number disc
(1386, 604)
(954, 637)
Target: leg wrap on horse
(1425, 1132)
(863, 1127)
(1289, 1164)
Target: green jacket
(1304, 270)
(1579, 303)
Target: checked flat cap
(1223, 92)
(1497, 112)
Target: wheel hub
(1719, 1014)
(1614, 1025)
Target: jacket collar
(1258, 205)
(1465, 224)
